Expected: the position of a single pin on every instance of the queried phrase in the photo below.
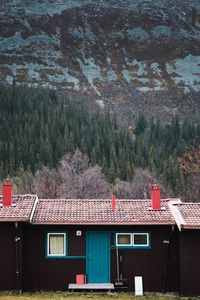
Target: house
(187, 216)
(45, 243)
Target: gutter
(190, 227)
(100, 223)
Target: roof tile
(20, 210)
(84, 211)
(190, 214)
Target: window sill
(131, 247)
(66, 257)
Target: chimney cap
(7, 182)
(155, 187)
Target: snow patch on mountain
(39, 8)
(91, 71)
(186, 71)
(161, 31)
(137, 33)
(39, 74)
(156, 69)
(16, 41)
(110, 75)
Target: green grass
(85, 296)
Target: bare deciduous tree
(94, 184)
(24, 183)
(139, 187)
(47, 183)
(81, 180)
(77, 178)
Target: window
(56, 245)
(140, 239)
(133, 240)
(124, 239)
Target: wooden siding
(173, 267)
(7, 257)
(76, 244)
(190, 262)
(159, 266)
(40, 273)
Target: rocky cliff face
(128, 55)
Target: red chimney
(155, 197)
(7, 193)
(113, 202)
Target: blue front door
(98, 257)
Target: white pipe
(117, 252)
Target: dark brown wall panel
(41, 273)
(190, 262)
(159, 266)
(7, 257)
(172, 282)
(76, 245)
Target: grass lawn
(84, 296)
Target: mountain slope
(125, 55)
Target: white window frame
(56, 233)
(132, 244)
(141, 233)
(124, 245)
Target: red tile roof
(187, 215)
(21, 209)
(81, 211)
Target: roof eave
(13, 220)
(195, 227)
(103, 223)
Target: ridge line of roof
(187, 203)
(107, 199)
(24, 195)
(33, 209)
(176, 214)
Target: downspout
(167, 242)
(117, 256)
(17, 257)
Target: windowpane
(124, 239)
(56, 244)
(140, 239)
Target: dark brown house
(45, 244)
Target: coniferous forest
(38, 129)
